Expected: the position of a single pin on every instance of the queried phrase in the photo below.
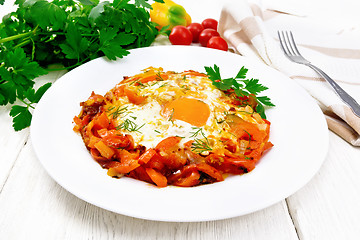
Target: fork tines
(288, 43)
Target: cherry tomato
(217, 43)
(205, 36)
(210, 23)
(180, 35)
(195, 29)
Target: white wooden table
(34, 206)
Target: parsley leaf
(215, 77)
(21, 114)
(34, 97)
(241, 87)
(111, 43)
(75, 45)
(164, 30)
(16, 74)
(143, 3)
(266, 101)
(45, 14)
(21, 70)
(7, 93)
(89, 2)
(253, 86)
(22, 117)
(213, 73)
(242, 73)
(96, 12)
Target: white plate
(298, 132)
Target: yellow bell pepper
(169, 14)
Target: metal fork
(289, 47)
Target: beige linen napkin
(252, 32)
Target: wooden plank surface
(328, 207)
(11, 143)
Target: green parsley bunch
(66, 32)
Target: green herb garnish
(117, 112)
(171, 115)
(130, 126)
(200, 146)
(163, 85)
(241, 86)
(198, 131)
(159, 77)
(249, 135)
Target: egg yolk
(190, 110)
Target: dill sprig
(117, 112)
(163, 85)
(200, 146)
(198, 131)
(130, 126)
(248, 135)
(171, 115)
(141, 84)
(159, 77)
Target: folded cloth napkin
(252, 32)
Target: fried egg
(184, 104)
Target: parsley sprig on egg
(241, 86)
